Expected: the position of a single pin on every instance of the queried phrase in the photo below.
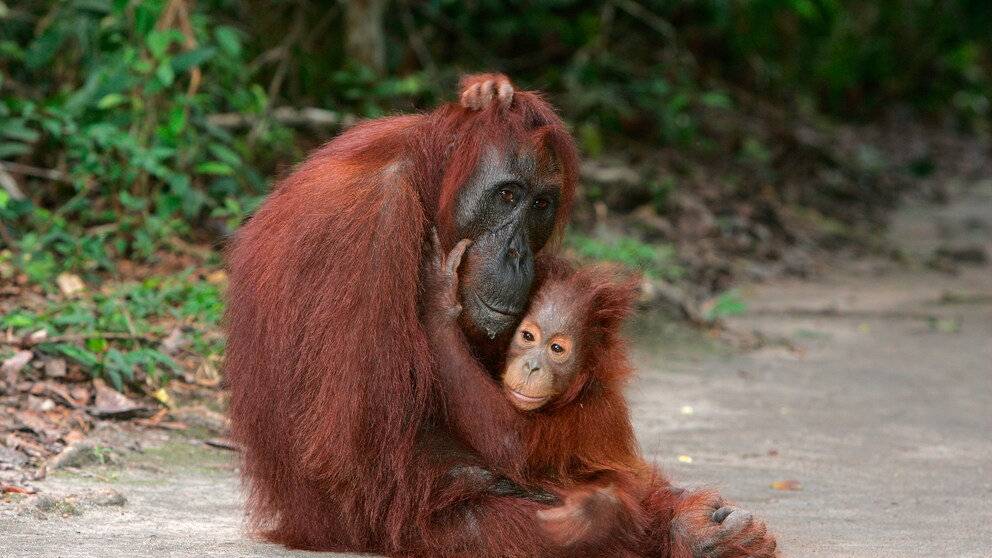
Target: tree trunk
(365, 40)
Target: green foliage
(606, 93)
(113, 334)
(855, 57)
(115, 95)
(729, 303)
(116, 102)
(654, 261)
(627, 66)
(358, 89)
(102, 454)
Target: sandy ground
(874, 392)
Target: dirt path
(875, 394)
(883, 411)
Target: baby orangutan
(563, 425)
(564, 370)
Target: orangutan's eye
(506, 194)
(528, 336)
(540, 203)
(557, 348)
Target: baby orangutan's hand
(443, 284)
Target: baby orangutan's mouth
(526, 401)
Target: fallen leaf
(12, 366)
(218, 277)
(36, 337)
(154, 420)
(789, 485)
(33, 421)
(111, 403)
(206, 375)
(55, 368)
(80, 394)
(4, 488)
(163, 397)
(174, 341)
(69, 283)
(42, 404)
(64, 396)
(685, 459)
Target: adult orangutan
(335, 399)
(557, 418)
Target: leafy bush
(853, 57)
(108, 103)
(657, 261)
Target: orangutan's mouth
(526, 399)
(494, 310)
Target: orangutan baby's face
(542, 360)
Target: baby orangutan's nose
(530, 367)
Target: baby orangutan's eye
(528, 336)
(557, 348)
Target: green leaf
(17, 320)
(17, 129)
(228, 40)
(114, 375)
(197, 56)
(8, 149)
(142, 66)
(72, 352)
(225, 154)
(158, 42)
(110, 101)
(165, 74)
(4, 200)
(153, 356)
(716, 99)
(132, 203)
(215, 168)
(97, 344)
(45, 47)
(118, 361)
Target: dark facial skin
(507, 208)
(543, 358)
